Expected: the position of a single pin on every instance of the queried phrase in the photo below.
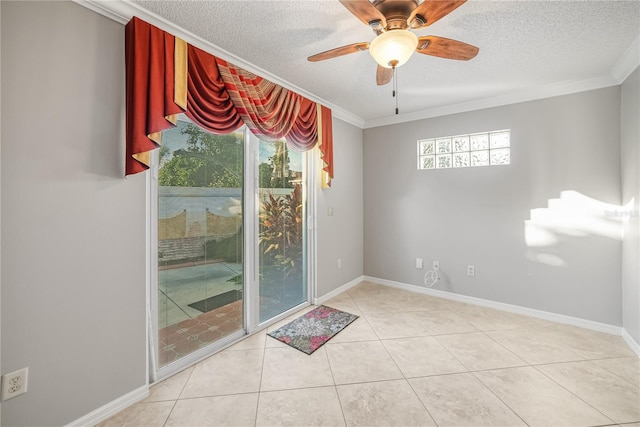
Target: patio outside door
(282, 255)
(200, 240)
(210, 288)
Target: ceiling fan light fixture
(393, 48)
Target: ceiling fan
(391, 21)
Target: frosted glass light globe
(393, 48)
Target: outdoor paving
(180, 287)
(189, 335)
(183, 329)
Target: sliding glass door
(281, 229)
(213, 281)
(200, 242)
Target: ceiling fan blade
(364, 11)
(383, 75)
(430, 11)
(339, 51)
(446, 48)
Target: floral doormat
(310, 331)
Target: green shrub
(228, 249)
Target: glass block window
(461, 151)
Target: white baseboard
(333, 293)
(545, 315)
(631, 342)
(110, 409)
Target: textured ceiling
(525, 47)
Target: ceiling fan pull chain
(395, 87)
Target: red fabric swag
(304, 132)
(327, 143)
(150, 86)
(208, 102)
(220, 97)
(267, 109)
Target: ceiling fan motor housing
(396, 12)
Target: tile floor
(410, 359)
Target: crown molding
(628, 62)
(546, 91)
(112, 10)
(123, 10)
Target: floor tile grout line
(615, 357)
(477, 330)
(192, 368)
(443, 347)
(392, 359)
(616, 374)
(264, 356)
(333, 377)
(264, 352)
(550, 343)
(310, 387)
(371, 326)
(344, 417)
(574, 394)
(499, 398)
(424, 405)
(255, 418)
(472, 372)
(507, 349)
(209, 396)
(451, 353)
(170, 412)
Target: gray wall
(340, 235)
(631, 192)
(73, 230)
(477, 215)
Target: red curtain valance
(166, 76)
(208, 102)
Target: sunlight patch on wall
(546, 258)
(572, 215)
(575, 215)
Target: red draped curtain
(166, 77)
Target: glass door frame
(252, 202)
(251, 206)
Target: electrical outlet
(436, 265)
(339, 263)
(14, 383)
(419, 263)
(471, 270)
